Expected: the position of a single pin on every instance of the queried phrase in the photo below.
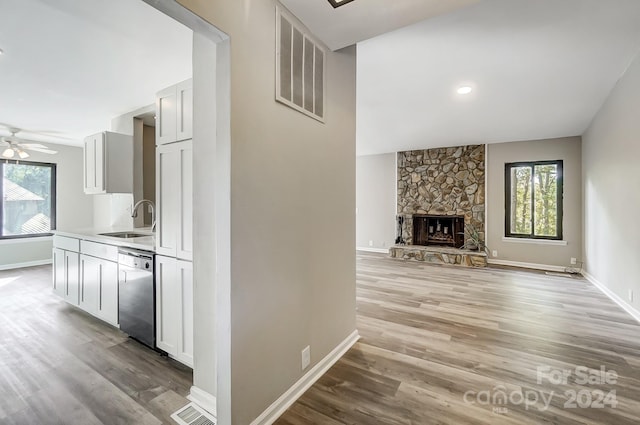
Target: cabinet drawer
(100, 250)
(66, 243)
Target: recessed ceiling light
(337, 3)
(464, 90)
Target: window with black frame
(533, 200)
(27, 199)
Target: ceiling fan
(18, 146)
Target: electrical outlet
(495, 253)
(631, 295)
(370, 243)
(574, 261)
(306, 357)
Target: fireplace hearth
(443, 230)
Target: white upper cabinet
(184, 122)
(174, 113)
(108, 163)
(174, 193)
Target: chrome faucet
(134, 211)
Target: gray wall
(74, 208)
(292, 207)
(569, 150)
(611, 181)
(375, 201)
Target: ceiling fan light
(23, 155)
(8, 153)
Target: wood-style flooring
(59, 365)
(431, 334)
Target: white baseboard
(279, 406)
(203, 399)
(527, 265)
(379, 250)
(613, 296)
(26, 264)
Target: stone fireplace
(440, 230)
(440, 193)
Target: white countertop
(147, 242)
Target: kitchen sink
(125, 235)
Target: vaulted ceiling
(363, 19)
(538, 69)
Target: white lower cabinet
(174, 308)
(87, 281)
(66, 282)
(99, 288)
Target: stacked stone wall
(445, 181)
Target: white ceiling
(363, 19)
(540, 69)
(70, 66)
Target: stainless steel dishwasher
(136, 295)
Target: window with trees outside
(533, 198)
(27, 199)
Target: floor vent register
(193, 415)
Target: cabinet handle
(55, 272)
(95, 164)
(66, 274)
(82, 284)
(100, 288)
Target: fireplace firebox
(444, 230)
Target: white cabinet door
(167, 198)
(72, 277)
(174, 308)
(107, 308)
(89, 284)
(166, 116)
(174, 113)
(108, 163)
(167, 305)
(59, 275)
(174, 200)
(184, 236)
(184, 110)
(185, 333)
(94, 170)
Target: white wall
(610, 155)
(292, 215)
(376, 201)
(74, 208)
(567, 149)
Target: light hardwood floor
(431, 334)
(59, 365)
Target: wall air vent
(300, 67)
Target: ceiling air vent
(300, 67)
